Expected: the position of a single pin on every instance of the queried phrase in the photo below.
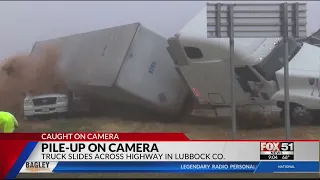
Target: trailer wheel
(301, 115)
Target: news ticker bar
(172, 167)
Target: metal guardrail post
(232, 82)
(286, 70)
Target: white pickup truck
(47, 104)
(54, 104)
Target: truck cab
(204, 64)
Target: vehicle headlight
(62, 99)
(28, 102)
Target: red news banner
(12, 145)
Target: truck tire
(299, 115)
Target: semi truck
(127, 64)
(204, 65)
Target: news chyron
(277, 151)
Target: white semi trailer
(127, 64)
(204, 64)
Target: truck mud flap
(190, 92)
(216, 98)
(183, 78)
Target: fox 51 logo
(276, 150)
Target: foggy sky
(23, 23)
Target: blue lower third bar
(189, 167)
